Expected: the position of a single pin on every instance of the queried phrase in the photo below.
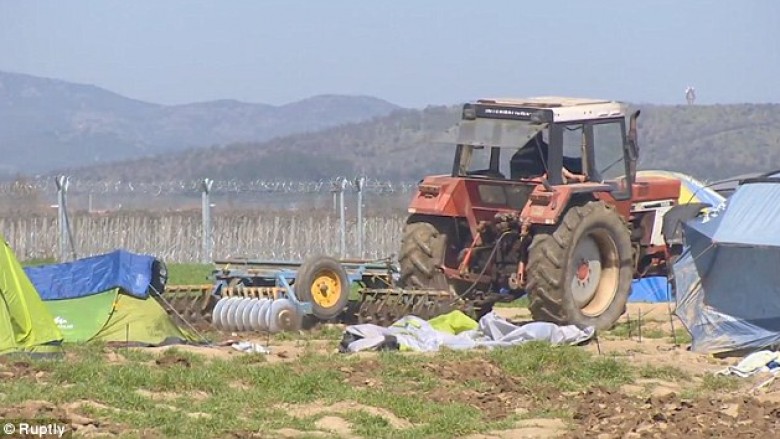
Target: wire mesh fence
(176, 236)
(264, 220)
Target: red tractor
(542, 200)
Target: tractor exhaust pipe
(632, 134)
(633, 145)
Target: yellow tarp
(453, 322)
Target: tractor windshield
(480, 143)
(496, 133)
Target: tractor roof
(563, 108)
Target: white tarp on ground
(761, 361)
(415, 334)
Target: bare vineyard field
(177, 236)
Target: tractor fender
(546, 207)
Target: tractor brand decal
(493, 112)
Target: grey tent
(728, 278)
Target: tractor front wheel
(581, 273)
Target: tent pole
(669, 307)
(181, 317)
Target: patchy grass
(517, 303)
(682, 336)
(325, 332)
(720, 383)
(39, 261)
(179, 394)
(189, 274)
(622, 329)
(562, 368)
(669, 373)
(651, 329)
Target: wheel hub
(594, 279)
(326, 288)
(587, 271)
(583, 271)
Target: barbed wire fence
(287, 220)
(178, 187)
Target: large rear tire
(423, 250)
(428, 244)
(581, 273)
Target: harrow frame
(273, 279)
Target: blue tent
(728, 278)
(131, 272)
(653, 289)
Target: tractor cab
(558, 140)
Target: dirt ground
(659, 405)
(652, 408)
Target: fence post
(359, 184)
(206, 211)
(342, 219)
(62, 183)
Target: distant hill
(47, 124)
(709, 142)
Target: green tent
(25, 323)
(113, 316)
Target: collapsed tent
(727, 280)
(107, 298)
(456, 330)
(25, 323)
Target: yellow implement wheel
(326, 288)
(323, 282)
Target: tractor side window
(608, 150)
(573, 137)
(480, 159)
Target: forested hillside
(709, 142)
(47, 123)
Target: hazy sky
(412, 53)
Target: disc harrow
(192, 302)
(319, 287)
(385, 306)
